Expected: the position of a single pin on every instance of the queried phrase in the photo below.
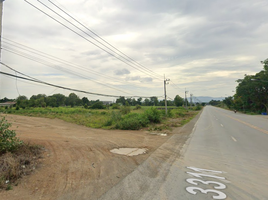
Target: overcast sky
(203, 46)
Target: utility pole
(165, 91)
(185, 98)
(1, 15)
(191, 100)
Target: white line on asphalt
(234, 139)
(221, 125)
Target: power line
(61, 69)
(61, 61)
(48, 56)
(58, 86)
(86, 38)
(101, 38)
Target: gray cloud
(181, 39)
(121, 72)
(138, 78)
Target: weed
(20, 162)
(8, 139)
(153, 115)
(125, 110)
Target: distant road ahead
(234, 146)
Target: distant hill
(206, 99)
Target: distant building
(9, 103)
(107, 102)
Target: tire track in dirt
(67, 170)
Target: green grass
(109, 119)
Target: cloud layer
(203, 46)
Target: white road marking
(234, 139)
(221, 125)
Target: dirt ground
(77, 163)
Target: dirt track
(78, 163)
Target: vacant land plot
(77, 162)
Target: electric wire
(61, 69)
(62, 87)
(101, 38)
(48, 56)
(85, 37)
(56, 59)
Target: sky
(202, 47)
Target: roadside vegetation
(251, 94)
(116, 117)
(17, 158)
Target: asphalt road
(226, 157)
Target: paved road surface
(226, 157)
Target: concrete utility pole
(1, 15)
(191, 100)
(165, 91)
(185, 98)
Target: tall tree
(178, 101)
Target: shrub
(98, 105)
(153, 115)
(129, 122)
(116, 116)
(132, 121)
(125, 110)
(115, 106)
(137, 107)
(8, 139)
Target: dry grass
(17, 164)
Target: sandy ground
(77, 163)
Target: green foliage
(8, 139)
(137, 107)
(252, 92)
(125, 110)
(132, 121)
(178, 101)
(153, 115)
(115, 106)
(98, 105)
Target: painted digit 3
(207, 174)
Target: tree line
(56, 100)
(251, 93)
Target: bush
(98, 105)
(132, 121)
(116, 116)
(125, 110)
(137, 107)
(8, 139)
(115, 106)
(153, 115)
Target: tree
(22, 101)
(229, 102)
(121, 100)
(153, 101)
(178, 101)
(139, 100)
(73, 100)
(60, 99)
(85, 101)
(252, 91)
(147, 102)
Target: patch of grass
(125, 118)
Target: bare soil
(77, 163)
